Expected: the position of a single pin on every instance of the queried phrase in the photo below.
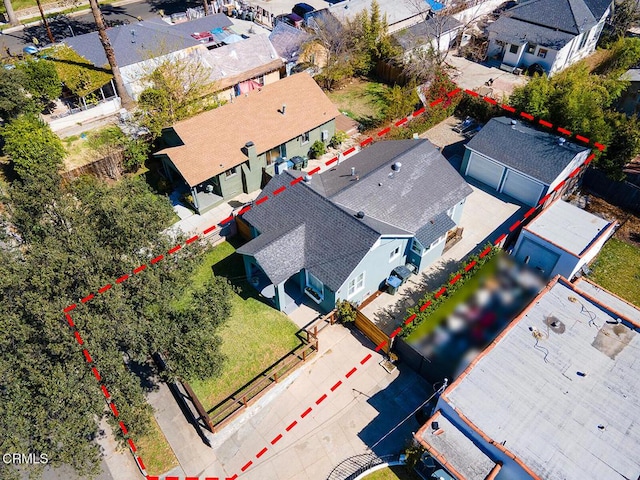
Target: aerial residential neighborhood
(334, 240)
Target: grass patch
(363, 100)
(155, 450)
(617, 268)
(90, 146)
(254, 337)
(448, 306)
(399, 472)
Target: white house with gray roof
(556, 396)
(339, 234)
(520, 161)
(551, 33)
(562, 240)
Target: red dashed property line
(380, 346)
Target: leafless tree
(126, 100)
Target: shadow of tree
(390, 317)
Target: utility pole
(45, 22)
(126, 100)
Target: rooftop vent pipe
(396, 166)
(284, 108)
(561, 141)
(307, 178)
(353, 171)
(360, 214)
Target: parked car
(302, 10)
(291, 19)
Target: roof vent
(360, 214)
(561, 141)
(396, 166)
(307, 178)
(353, 171)
(513, 124)
(284, 108)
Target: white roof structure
(559, 388)
(397, 11)
(568, 227)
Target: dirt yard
(629, 231)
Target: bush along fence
(432, 300)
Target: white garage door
(521, 188)
(485, 170)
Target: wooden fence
(232, 406)
(106, 168)
(622, 194)
(371, 331)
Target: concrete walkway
(358, 413)
(484, 215)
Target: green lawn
(255, 336)
(361, 100)
(155, 451)
(400, 472)
(617, 268)
(448, 306)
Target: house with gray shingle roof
(552, 33)
(520, 161)
(235, 63)
(340, 234)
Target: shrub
(338, 138)
(317, 149)
(346, 311)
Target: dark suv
(302, 10)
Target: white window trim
(355, 285)
(452, 211)
(302, 140)
(395, 253)
(414, 245)
(306, 284)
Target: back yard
(617, 267)
(362, 100)
(255, 336)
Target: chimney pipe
(284, 108)
(353, 171)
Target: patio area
(485, 215)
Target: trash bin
(298, 163)
(402, 272)
(393, 283)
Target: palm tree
(13, 20)
(126, 100)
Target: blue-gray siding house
(338, 235)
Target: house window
(531, 48)
(272, 155)
(513, 49)
(315, 285)
(304, 138)
(416, 247)
(355, 285)
(231, 172)
(583, 40)
(542, 53)
(395, 253)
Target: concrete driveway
(486, 215)
(310, 423)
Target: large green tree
(13, 96)
(41, 80)
(76, 238)
(584, 103)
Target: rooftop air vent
(353, 171)
(284, 108)
(360, 214)
(396, 166)
(307, 178)
(555, 324)
(561, 141)
(513, 124)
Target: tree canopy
(41, 79)
(583, 103)
(75, 238)
(13, 96)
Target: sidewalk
(355, 415)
